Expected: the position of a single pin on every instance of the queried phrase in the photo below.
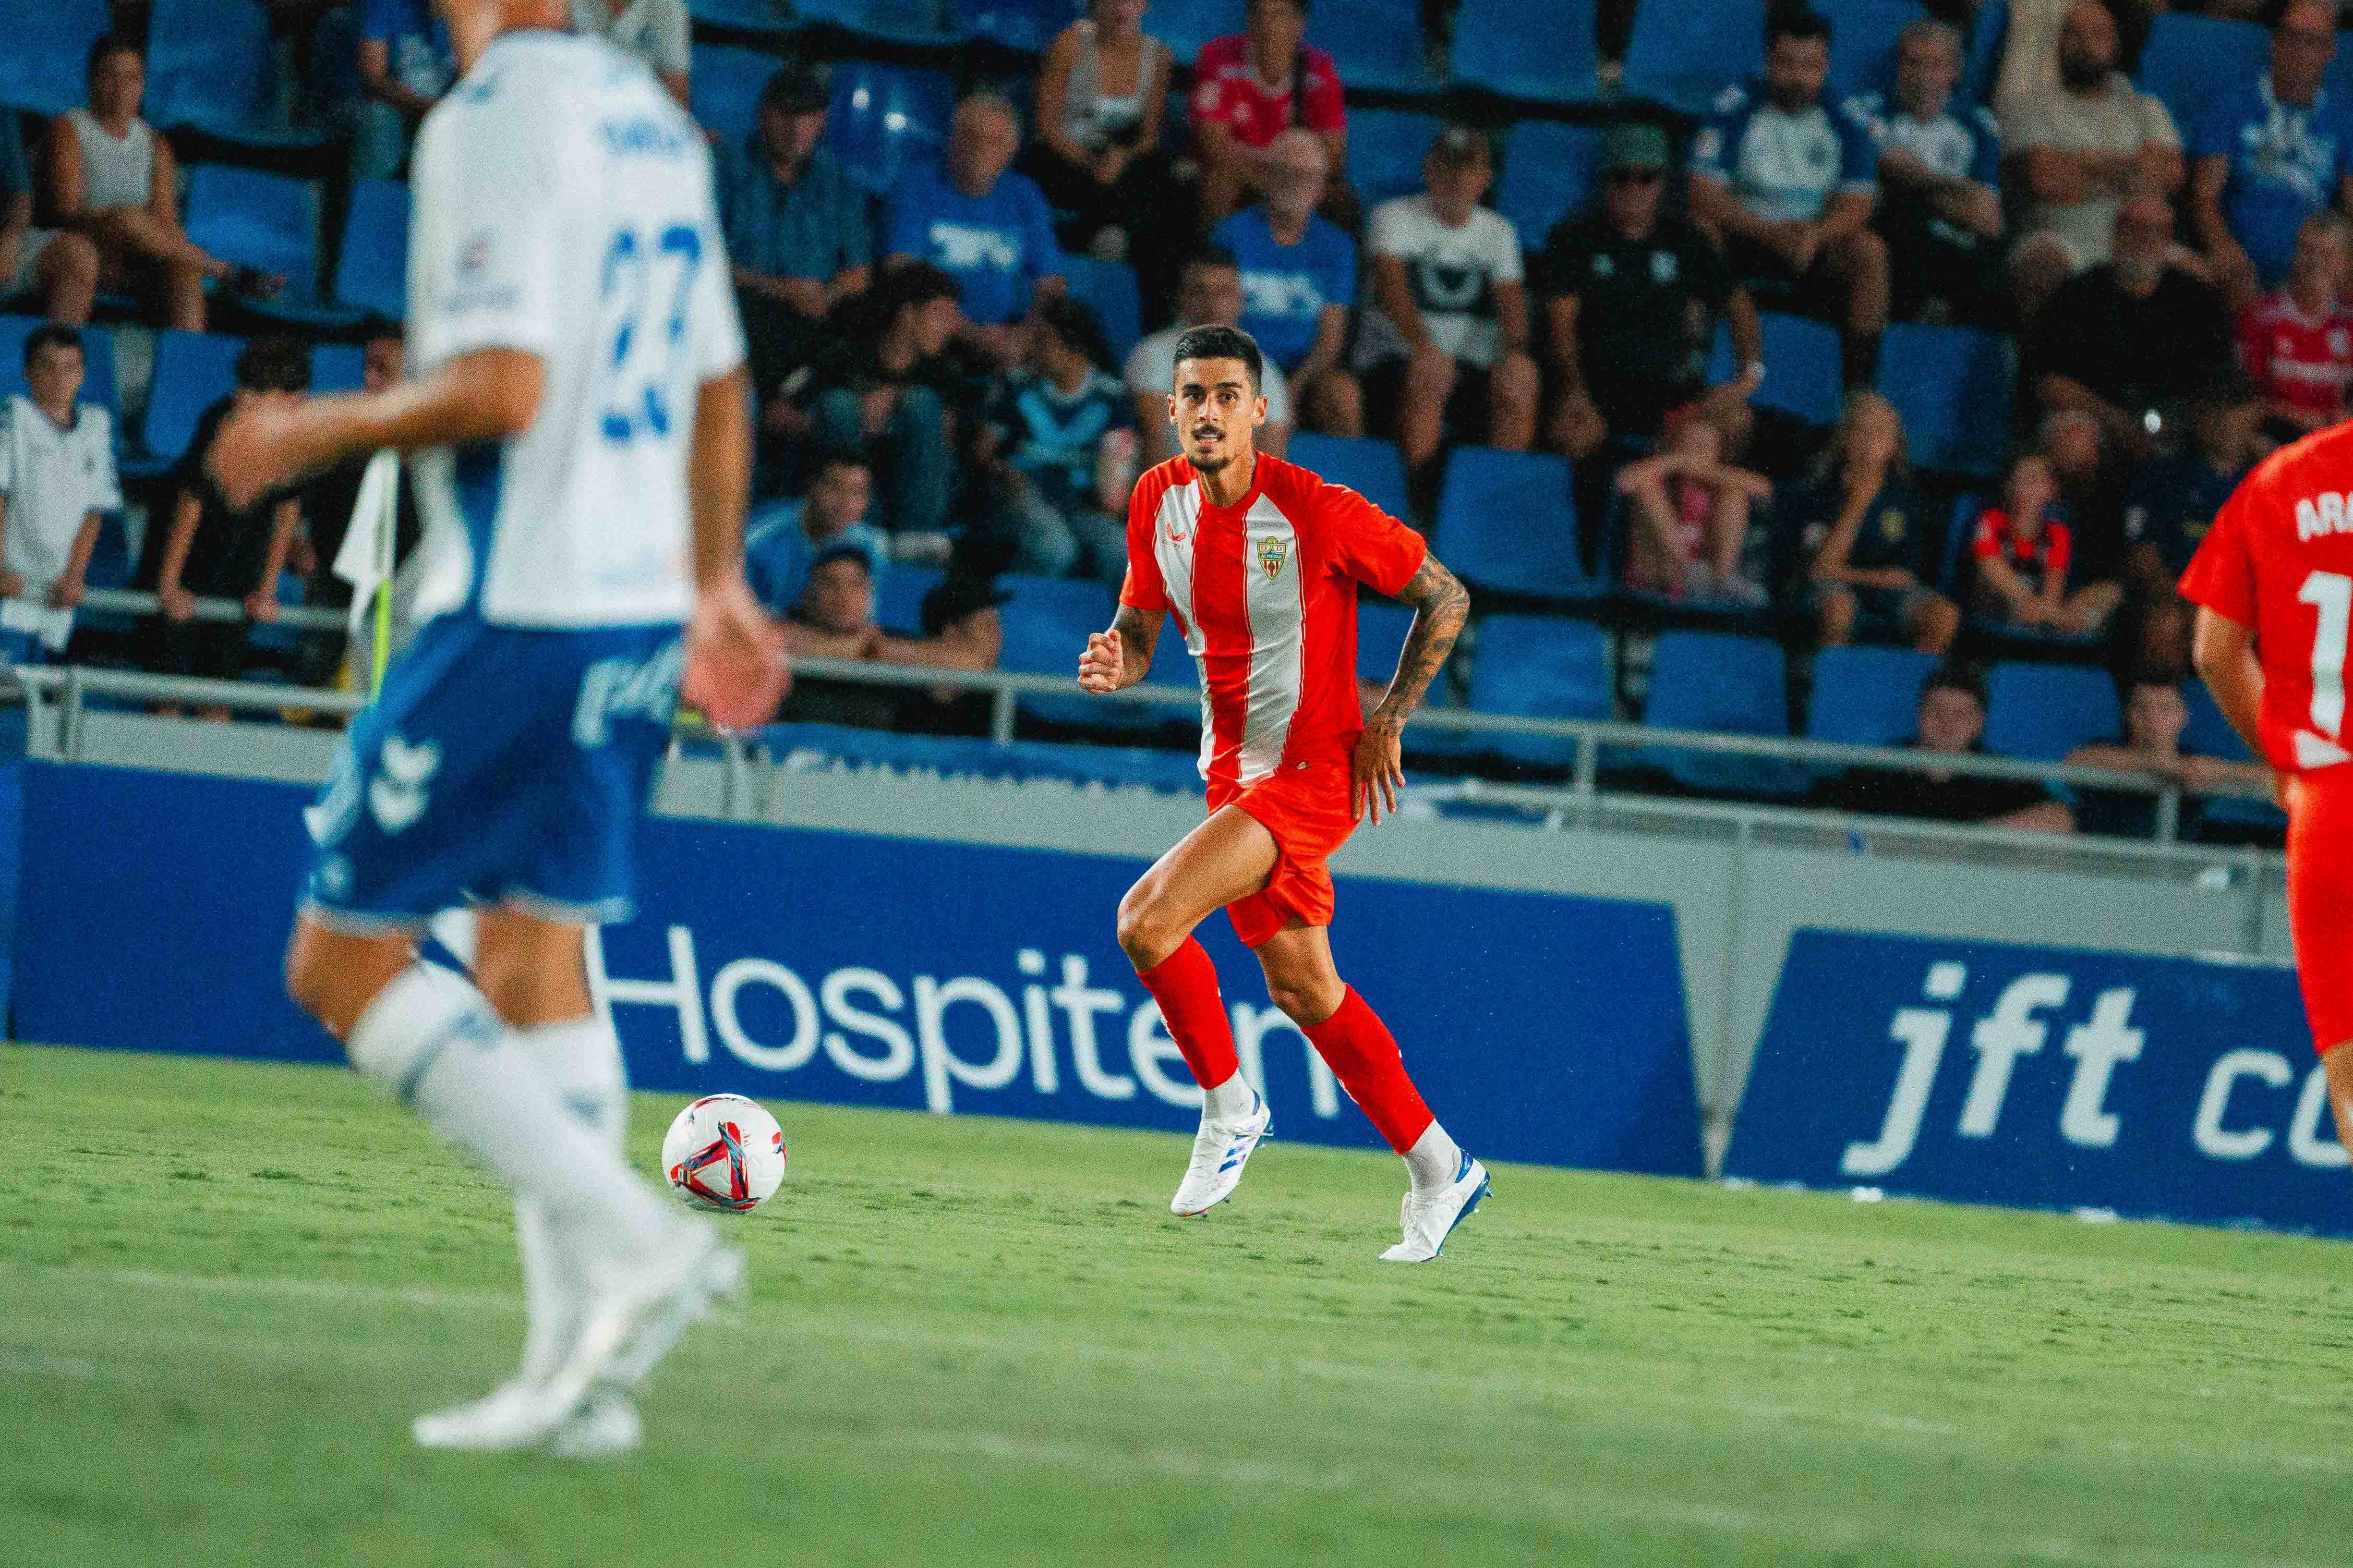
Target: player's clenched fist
(1104, 663)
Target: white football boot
(1429, 1221)
(1220, 1150)
(603, 1425)
(512, 1416)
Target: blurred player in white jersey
(578, 413)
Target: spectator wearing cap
(1870, 567)
(1056, 443)
(1299, 281)
(1939, 185)
(783, 538)
(2025, 559)
(2077, 148)
(984, 224)
(654, 32)
(2172, 503)
(2270, 153)
(1787, 182)
(2296, 343)
(1211, 297)
(798, 232)
(1103, 90)
(1633, 294)
(57, 268)
(1950, 723)
(404, 64)
(1250, 86)
(57, 475)
(1447, 338)
(881, 383)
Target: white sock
(582, 1062)
(432, 1038)
(1231, 1101)
(1435, 1160)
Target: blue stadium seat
(1952, 387)
(1728, 684)
(1802, 376)
(1867, 695)
(1862, 42)
(1988, 31)
(723, 87)
(2042, 712)
(1540, 666)
(1540, 50)
(1682, 53)
(887, 118)
(1957, 528)
(98, 384)
(744, 15)
(2189, 60)
(1047, 622)
(191, 370)
(1548, 173)
(1111, 288)
(1366, 465)
(48, 45)
(269, 221)
(2209, 734)
(1028, 26)
(1385, 147)
(1172, 665)
(899, 597)
(209, 67)
(1507, 522)
(1381, 629)
(919, 21)
(371, 274)
(1185, 25)
(338, 367)
(1376, 44)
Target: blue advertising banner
(2044, 1077)
(865, 970)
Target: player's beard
(1212, 461)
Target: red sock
(1185, 984)
(1363, 1055)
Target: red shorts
(1305, 806)
(2320, 900)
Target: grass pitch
(225, 1288)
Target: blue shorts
(499, 765)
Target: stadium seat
(1727, 684)
(1682, 53)
(370, 273)
(1540, 666)
(1381, 629)
(191, 370)
(1111, 288)
(2209, 734)
(1028, 26)
(1802, 378)
(1507, 521)
(1366, 465)
(2042, 712)
(2188, 61)
(1185, 25)
(744, 15)
(1548, 173)
(723, 87)
(1867, 695)
(1862, 42)
(1376, 44)
(1952, 387)
(1047, 623)
(41, 69)
(887, 118)
(1541, 52)
(97, 385)
(209, 67)
(899, 597)
(916, 22)
(269, 221)
(338, 367)
(1385, 147)
(1988, 31)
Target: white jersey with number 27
(563, 207)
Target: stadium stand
(1376, 44)
(885, 119)
(1385, 147)
(913, 22)
(372, 266)
(898, 597)
(1110, 288)
(192, 369)
(1365, 464)
(723, 87)
(1952, 387)
(1185, 25)
(2042, 712)
(1802, 357)
(1507, 522)
(1027, 26)
(1727, 682)
(1866, 696)
(41, 68)
(263, 220)
(209, 70)
(1538, 50)
(1863, 41)
(1540, 666)
(1047, 622)
(2188, 61)
(1549, 171)
(1682, 53)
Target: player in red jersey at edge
(1258, 562)
(2273, 584)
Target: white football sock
(582, 1061)
(432, 1038)
(1230, 1101)
(1434, 1160)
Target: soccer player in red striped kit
(1258, 562)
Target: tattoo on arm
(1139, 634)
(1442, 604)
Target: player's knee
(1145, 933)
(1306, 1000)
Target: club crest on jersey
(1272, 552)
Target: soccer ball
(724, 1153)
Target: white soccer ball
(724, 1153)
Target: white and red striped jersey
(1265, 593)
(2304, 361)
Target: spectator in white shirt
(57, 475)
(1211, 296)
(1447, 335)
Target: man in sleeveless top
(61, 269)
(108, 176)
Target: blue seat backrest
(1682, 53)
(1718, 680)
(338, 367)
(1802, 376)
(2208, 734)
(885, 120)
(1541, 50)
(370, 273)
(723, 87)
(1952, 387)
(1540, 666)
(2189, 61)
(1548, 173)
(899, 597)
(1862, 42)
(49, 44)
(1111, 289)
(2042, 712)
(1185, 25)
(191, 370)
(265, 220)
(1866, 696)
(1381, 629)
(1507, 520)
(1385, 147)
(1366, 464)
(1376, 46)
(208, 65)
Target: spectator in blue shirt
(2269, 154)
(59, 268)
(1940, 185)
(798, 233)
(1299, 279)
(984, 225)
(781, 539)
(1786, 186)
(405, 64)
(1057, 445)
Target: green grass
(225, 1288)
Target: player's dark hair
(51, 335)
(1223, 343)
(110, 44)
(1795, 21)
(276, 364)
(1075, 322)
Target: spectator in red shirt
(2024, 553)
(1249, 88)
(2297, 342)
